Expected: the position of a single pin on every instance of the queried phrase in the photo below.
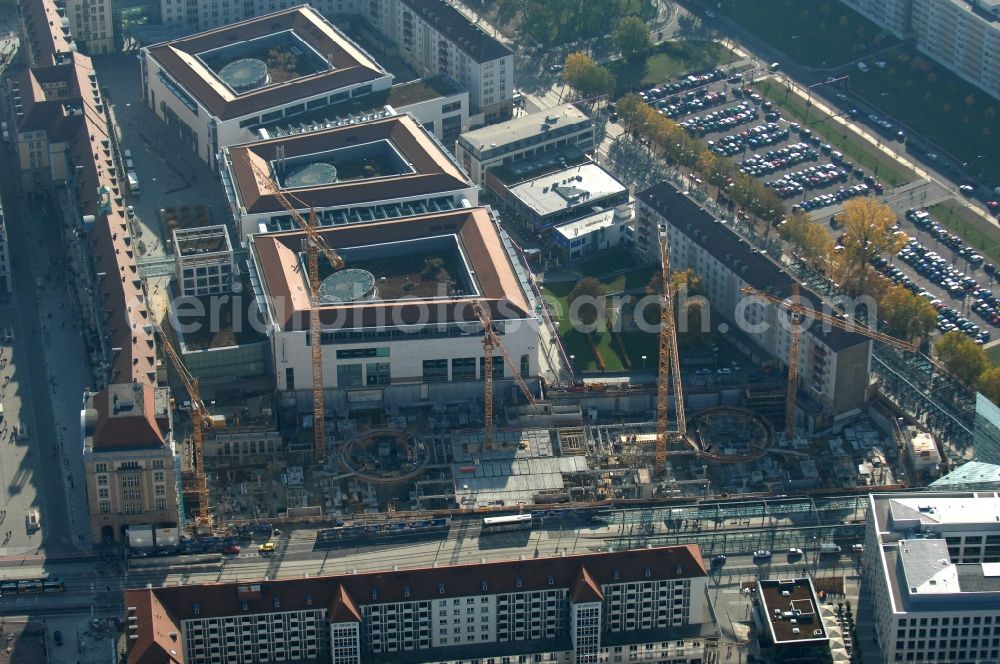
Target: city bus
(499, 524)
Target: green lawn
(817, 33)
(957, 116)
(976, 231)
(636, 343)
(857, 150)
(994, 354)
(666, 61)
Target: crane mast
(491, 342)
(668, 358)
(797, 312)
(199, 415)
(315, 243)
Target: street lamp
(643, 363)
(572, 362)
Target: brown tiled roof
(435, 171)
(46, 33)
(277, 258)
(158, 631)
(585, 589)
(126, 315)
(351, 65)
(343, 608)
(134, 426)
(222, 599)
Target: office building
(790, 626)
(834, 365)
(986, 431)
(92, 23)
(432, 36)
(203, 260)
(528, 136)
(933, 563)
(360, 172)
(131, 472)
(215, 86)
(398, 325)
(639, 605)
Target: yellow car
(265, 549)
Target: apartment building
(833, 365)
(131, 470)
(933, 562)
(215, 87)
(892, 15)
(92, 22)
(963, 36)
(432, 36)
(524, 137)
(6, 276)
(639, 605)
(192, 16)
(204, 262)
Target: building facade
(933, 561)
(204, 260)
(131, 470)
(6, 273)
(92, 23)
(962, 35)
(892, 15)
(524, 137)
(648, 605)
(282, 65)
(432, 36)
(833, 365)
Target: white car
(795, 552)
(761, 553)
(709, 13)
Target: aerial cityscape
(496, 332)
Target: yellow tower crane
(199, 421)
(797, 312)
(491, 342)
(314, 244)
(669, 359)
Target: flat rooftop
(205, 240)
(482, 260)
(525, 127)
(574, 187)
(792, 611)
(382, 159)
(916, 563)
(265, 62)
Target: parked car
(761, 554)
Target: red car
(232, 550)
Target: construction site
(366, 438)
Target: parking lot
(941, 267)
(738, 123)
